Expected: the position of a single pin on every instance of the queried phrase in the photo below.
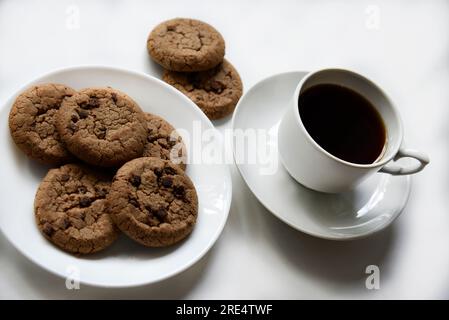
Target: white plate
(125, 263)
(369, 208)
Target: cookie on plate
(215, 91)
(164, 142)
(186, 45)
(102, 126)
(32, 123)
(153, 202)
(70, 209)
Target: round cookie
(164, 142)
(70, 209)
(186, 45)
(215, 91)
(102, 126)
(32, 123)
(153, 202)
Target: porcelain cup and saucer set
(312, 190)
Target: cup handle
(397, 170)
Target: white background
(401, 45)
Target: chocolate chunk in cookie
(215, 91)
(70, 209)
(164, 142)
(32, 123)
(102, 126)
(154, 212)
(186, 45)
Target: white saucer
(125, 263)
(369, 208)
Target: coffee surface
(343, 122)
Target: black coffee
(342, 122)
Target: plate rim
(227, 178)
(280, 217)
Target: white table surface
(402, 45)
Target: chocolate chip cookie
(70, 209)
(32, 123)
(164, 142)
(186, 45)
(153, 201)
(215, 91)
(102, 126)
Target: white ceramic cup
(312, 166)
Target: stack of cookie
(90, 133)
(192, 55)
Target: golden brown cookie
(32, 123)
(70, 209)
(153, 202)
(186, 45)
(102, 126)
(215, 91)
(164, 142)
